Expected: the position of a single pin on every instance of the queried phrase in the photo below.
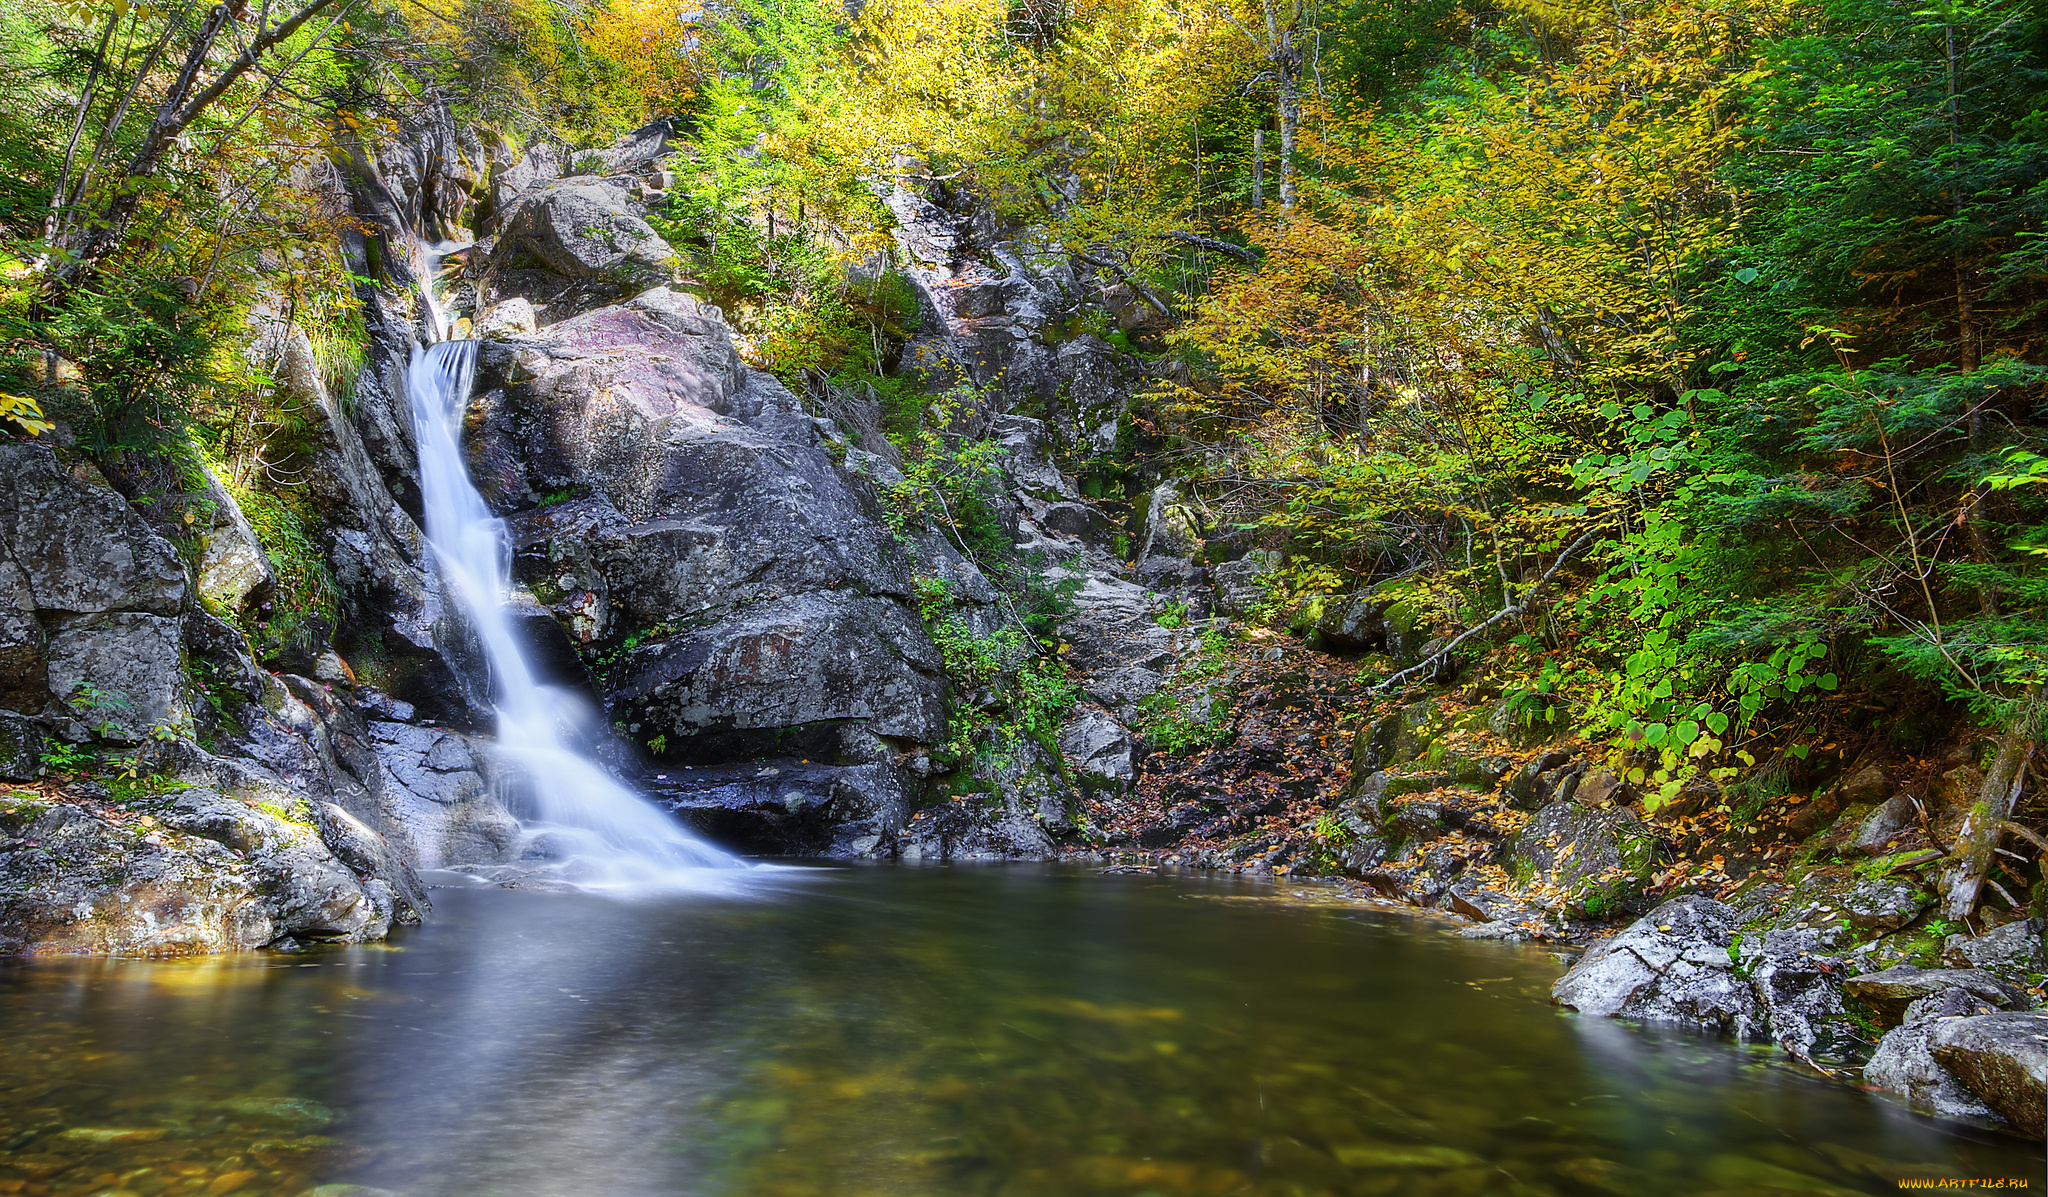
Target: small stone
(228, 1182)
(1377, 1155)
(115, 1135)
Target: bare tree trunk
(1283, 51)
(1258, 170)
(1964, 877)
(1288, 59)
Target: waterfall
(585, 828)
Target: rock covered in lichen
(176, 874)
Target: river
(1021, 1031)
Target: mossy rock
(1402, 737)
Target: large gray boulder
(807, 659)
(1672, 966)
(1097, 386)
(586, 227)
(89, 597)
(190, 872)
(1904, 1062)
(79, 547)
(122, 674)
(1241, 584)
(2003, 1060)
(1686, 962)
(749, 581)
(437, 800)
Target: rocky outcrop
(181, 874)
(269, 837)
(1687, 962)
(2003, 1059)
(584, 228)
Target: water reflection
(1020, 1032)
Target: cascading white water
(587, 828)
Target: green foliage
(1169, 721)
(64, 759)
(306, 608)
(1007, 691)
(951, 482)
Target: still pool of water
(902, 1032)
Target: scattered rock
(1884, 906)
(1892, 818)
(1531, 786)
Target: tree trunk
(1287, 58)
(1283, 51)
(1964, 877)
(183, 102)
(1258, 170)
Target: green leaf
(1717, 722)
(1828, 681)
(1686, 732)
(1610, 409)
(1747, 275)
